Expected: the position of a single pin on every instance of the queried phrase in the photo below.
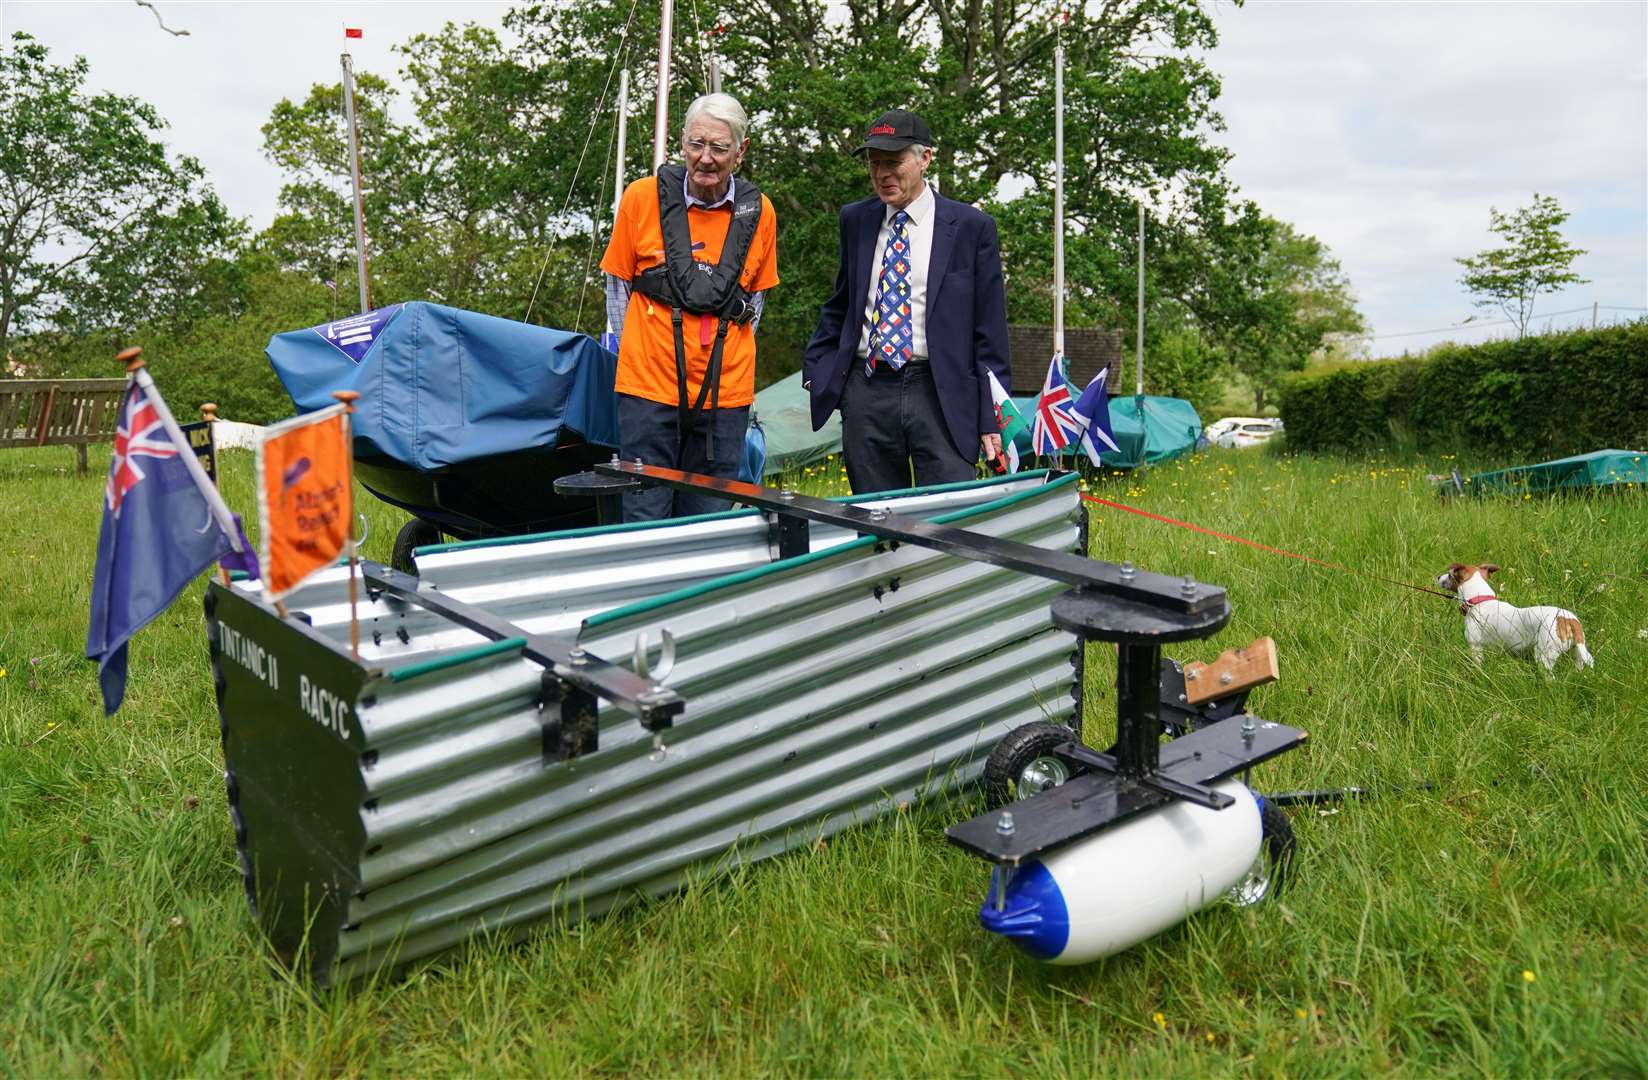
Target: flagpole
(355, 177)
(660, 119)
(137, 370)
(348, 398)
(1058, 187)
(623, 132)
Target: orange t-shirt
(646, 353)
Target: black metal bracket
(655, 705)
(571, 722)
(787, 535)
(1179, 716)
(607, 491)
(1101, 799)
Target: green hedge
(1548, 395)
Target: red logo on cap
(884, 129)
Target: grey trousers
(647, 430)
(893, 434)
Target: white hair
(722, 107)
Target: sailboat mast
(355, 179)
(1058, 192)
(660, 122)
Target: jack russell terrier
(1545, 632)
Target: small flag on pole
(1093, 410)
(304, 498)
(351, 31)
(1009, 421)
(1054, 427)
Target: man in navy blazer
(915, 324)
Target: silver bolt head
(1004, 824)
(1189, 586)
(1127, 571)
(1225, 679)
(578, 656)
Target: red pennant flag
(351, 32)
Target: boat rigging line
(572, 185)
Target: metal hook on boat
(666, 657)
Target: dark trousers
(648, 430)
(893, 434)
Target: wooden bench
(59, 412)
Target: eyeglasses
(698, 148)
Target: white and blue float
(1101, 851)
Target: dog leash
(1264, 547)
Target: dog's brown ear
(1488, 568)
(1455, 567)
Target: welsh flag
(1008, 420)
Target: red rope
(1256, 544)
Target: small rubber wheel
(416, 533)
(1270, 871)
(1023, 764)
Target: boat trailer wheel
(1271, 869)
(1023, 764)
(414, 534)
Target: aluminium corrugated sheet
(821, 691)
(553, 581)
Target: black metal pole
(1138, 708)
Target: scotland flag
(1093, 410)
(158, 533)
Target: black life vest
(684, 284)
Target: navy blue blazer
(966, 316)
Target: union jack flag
(140, 434)
(1055, 426)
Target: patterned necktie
(893, 342)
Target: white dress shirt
(919, 230)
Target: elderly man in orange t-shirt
(693, 251)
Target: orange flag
(304, 497)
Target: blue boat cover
(439, 385)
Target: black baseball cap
(894, 130)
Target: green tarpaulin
(1148, 429)
(1600, 468)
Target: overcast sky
(1385, 128)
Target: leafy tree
(98, 229)
(1534, 259)
(508, 168)
(1268, 296)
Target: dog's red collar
(1465, 606)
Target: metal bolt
(878, 514)
(1189, 586)
(1225, 679)
(1182, 697)
(786, 494)
(1247, 727)
(1004, 824)
(615, 458)
(578, 656)
(1128, 571)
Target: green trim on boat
(412, 671)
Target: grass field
(1490, 925)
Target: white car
(1237, 431)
